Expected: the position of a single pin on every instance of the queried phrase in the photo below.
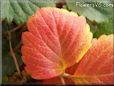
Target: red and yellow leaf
(96, 67)
(56, 39)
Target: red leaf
(56, 39)
(96, 67)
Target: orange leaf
(96, 67)
(56, 39)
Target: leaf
(19, 10)
(56, 39)
(96, 67)
(95, 11)
(104, 28)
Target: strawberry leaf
(56, 39)
(19, 10)
(95, 10)
(96, 67)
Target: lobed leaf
(56, 39)
(96, 67)
(96, 10)
(19, 10)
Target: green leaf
(93, 13)
(19, 10)
(104, 28)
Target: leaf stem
(16, 28)
(62, 80)
(18, 45)
(13, 54)
(68, 75)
